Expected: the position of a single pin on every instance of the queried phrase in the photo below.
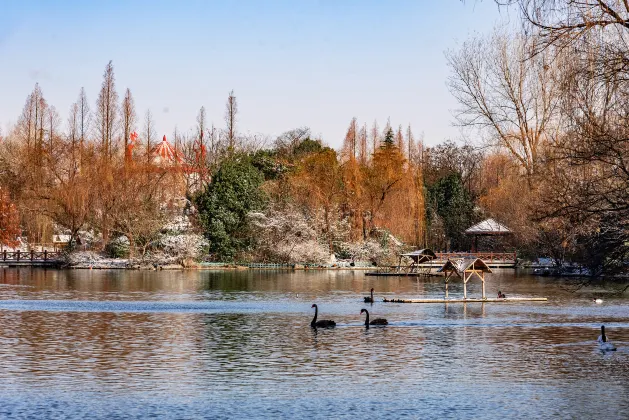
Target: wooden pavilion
(466, 268)
(417, 258)
(488, 227)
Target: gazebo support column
(448, 274)
(465, 278)
(482, 277)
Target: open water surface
(210, 344)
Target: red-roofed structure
(166, 154)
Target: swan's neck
(314, 320)
(367, 318)
(603, 336)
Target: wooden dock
(468, 300)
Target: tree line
(290, 198)
(546, 105)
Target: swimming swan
(377, 321)
(324, 323)
(603, 344)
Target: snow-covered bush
(378, 251)
(178, 224)
(118, 247)
(184, 245)
(287, 236)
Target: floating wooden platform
(468, 300)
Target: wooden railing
(33, 256)
(485, 256)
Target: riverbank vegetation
(544, 107)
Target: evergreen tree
(224, 205)
(389, 139)
(449, 199)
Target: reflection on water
(107, 344)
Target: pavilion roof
(421, 255)
(165, 153)
(488, 227)
(460, 265)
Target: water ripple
(196, 345)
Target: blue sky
(314, 63)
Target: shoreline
(225, 267)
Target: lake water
(208, 344)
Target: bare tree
(287, 142)
(31, 126)
(52, 126)
(107, 112)
(74, 138)
(201, 124)
(363, 153)
(410, 142)
(27, 124)
(564, 23)
(128, 117)
(231, 112)
(83, 117)
(149, 134)
(508, 95)
(399, 140)
(375, 136)
(351, 140)
(40, 114)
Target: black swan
(603, 344)
(377, 321)
(369, 299)
(324, 323)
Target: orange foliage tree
(318, 184)
(385, 191)
(9, 220)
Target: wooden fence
(33, 256)
(488, 257)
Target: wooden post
(447, 278)
(45, 255)
(32, 254)
(464, 285)
(483, 280)
(4, 256)
(18, 255)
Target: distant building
(60, 241)
(487, 228)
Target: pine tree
(389, 139)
